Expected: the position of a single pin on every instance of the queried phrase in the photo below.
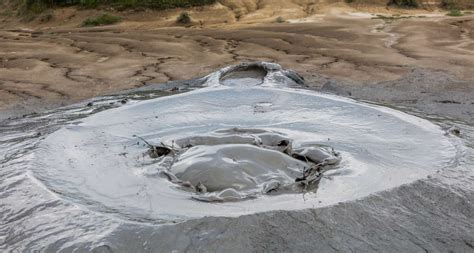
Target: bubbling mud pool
(249, 140)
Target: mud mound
(255, 145)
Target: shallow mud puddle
(241, 144)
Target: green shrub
(454, 13)
(169, 4)
(280, 20)
(104, 19)
(183, 18)
(404, 3)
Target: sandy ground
(424, 59)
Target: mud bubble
(238, 164)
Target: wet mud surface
(251, 162)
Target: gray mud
(240, 163)
(428, 92)
(429, 209)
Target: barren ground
(410, 61)
(424, 63)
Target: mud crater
(242, 163)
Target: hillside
(163, 13)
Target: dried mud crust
(54, 67)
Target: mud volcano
(239, 158)
(247, 142)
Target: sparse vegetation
(32, 7)
(46, 17)
(280, 20)
(89, 4)
(104, 19)
(183, 18)
(7, 13)
(449, 4)
(404, 3)
(390, 19)
(454, 13)
(38, 6)
(452, 7)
